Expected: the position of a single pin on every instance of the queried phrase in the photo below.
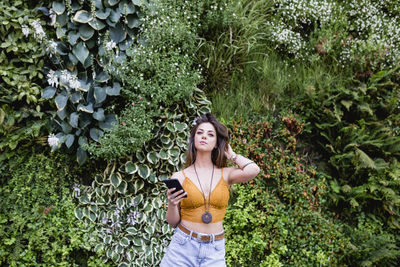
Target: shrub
(21, 77)
(38, 227)
(279, 218)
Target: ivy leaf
(73, 36)
(95, 134)
(81, 52)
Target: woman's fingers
(176, 197)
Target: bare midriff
(211, 228)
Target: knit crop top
(192, 207)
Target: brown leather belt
(201, 237)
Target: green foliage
(157, 75)
(21, 61)
(81, 88)
(371, 244)
(38, 227)
(279, 218)
(354, 128)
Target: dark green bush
(38, 226)
(279, 218)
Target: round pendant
(206, 217)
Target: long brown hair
(218, 154)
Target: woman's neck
(203, 160)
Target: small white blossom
(77, 190)
(53, 140)
(65, 76)
(52, 47)
(52, 79)
(110, 45)
(25, 30)
(74, 83)
(53, 17)
(39, 33)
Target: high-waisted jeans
(186, 251)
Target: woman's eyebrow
(207, 131)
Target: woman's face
(205, 138)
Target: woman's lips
(202, 143)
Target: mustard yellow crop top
(192, 207)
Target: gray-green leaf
(82, 16)
(81, 52)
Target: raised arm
(246, 170)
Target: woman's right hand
(175, 198)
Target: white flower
(53, 17)
(53, 140)
(39, 33)
(74, 83)
(25, 30)
(52, 47)
(52, 79)
(110, 45)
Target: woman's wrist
(233, 157)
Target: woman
(197, 214)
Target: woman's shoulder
(178, 175)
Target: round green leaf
(115, 90)
(73, 37)
(122, 188)
(124, 242)
(137, 186)
(109, 122)
(99, 115)
(61, 101)
(102, 77)
(133, 21)
(49, 92)
(163, 154)
(58, 7)
(103, 14)
(69, 140)
(117, 33)
(82, 16)
(130, 167)
(81, 52)
(78, 213)
(144, 171)
(115, 179)
(99, 94)
(95, 134)
(73, 119)
(86, 32)
(97, 24)
(131, 230)
(81, 155)
(152, 157)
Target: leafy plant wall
(21, 77)
(86, 32)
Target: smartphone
(174, 183)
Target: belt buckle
(199, 236)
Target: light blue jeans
(186, 251)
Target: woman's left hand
(229, 153)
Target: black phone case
(171, 183)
